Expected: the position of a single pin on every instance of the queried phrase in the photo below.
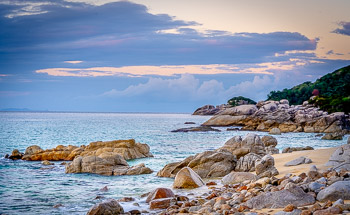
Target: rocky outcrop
(247, 162)
(250, 144)
(280, 199)
(206, 164)
(105, 164)
(210, 109)
(128, 149)
(110, 206)
(186, 178)
(273, 114)
(196, 129)
(16, 155)
(333, 136)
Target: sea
(28, 187)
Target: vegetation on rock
(332, 92)
(240, 100)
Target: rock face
(247, 162)
(280, 199)
(338, 190)
(128, 149)
(273, 114)
(196, 129)
(110, 206)
(105, 164)
(210, 109)
(206, 164)
(265, 167)
(238, 177)
(298, 161)
(186, 178)
(341, 155)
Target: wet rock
(265, 167)
(58, 206)
(280, 199)
(332, 136)
(186, 178)
(110, 206)
(298, 161)
(238, 177)
(104, 189)
(196, 129)
(160, 193)
(46, 162)
(275, 131)
(206, 164)
(338, 190)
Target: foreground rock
(105, 164)
(280, 199)
(265, 116)
(186, 178)
(110, 207)
(206, 164)
(128, 149)
(160, 193)
(338, 190)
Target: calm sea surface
(30, 188)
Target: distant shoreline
(44, 111)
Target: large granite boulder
(247, 162)
(110, 207)
(105, 164)
(341, 155)
(280, 199)
(206, 164)
(238, 177)
(265, 167)
(338, 190)
(240, 147)
(186, 178)
(129, 149)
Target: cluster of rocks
(105, 158)
(237, 154)
(266, 115)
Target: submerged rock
(196, 129)
(110, 207)
(186, 178)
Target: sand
(319, 157)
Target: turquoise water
(31, 188)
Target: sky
(164, 55)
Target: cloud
(344, 29)
(73, 61)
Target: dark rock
(189, 123)
(16, 155)
(196, 129)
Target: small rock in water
(189, 123)
(57, 206)
(275, 131)
(46, 162)
(104, 189)
(110, 206)
(126, 199)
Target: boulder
(298, 161)
(275, 131)
(16, 155)
(160, 193)
(341, 155)
(129, 149)
(332, 136)
(238, 177)
(196, 129)
(247, 162)
(210, 109)
(265, 167)
(294, 149)
(105, 164)
(240, 110)
(338, 190)
(186, 178)
(161, 203)
(206, 164)
(225, 120)
(110, 207)
(280, 199)
(269, 141)
(47, 163)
